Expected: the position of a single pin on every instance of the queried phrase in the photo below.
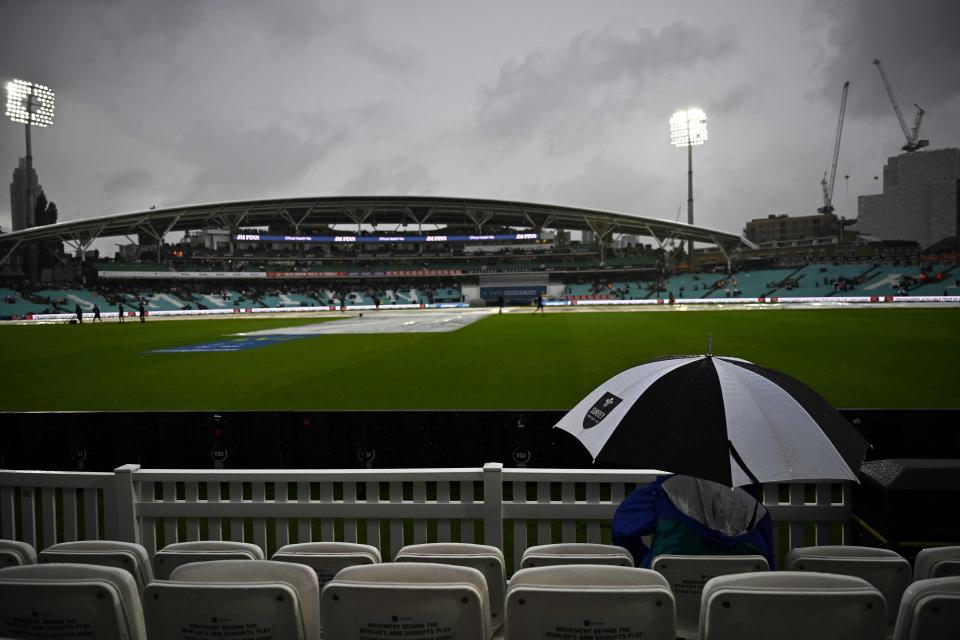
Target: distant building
(626, 241)
(21, 209)
(784, 230)
(920, 199)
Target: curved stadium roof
(307, 212)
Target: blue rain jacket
(690, 516)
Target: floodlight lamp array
(688, 128)
(30, 103)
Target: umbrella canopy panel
(722, 419)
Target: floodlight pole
(31, 214)
(689, 192)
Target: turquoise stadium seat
(12, 304)
(753, 284)
(73, 297)
(695, 285)
(883, 280)
(812, 279)
(288, 300)
(578, 289)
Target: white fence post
(493, 504)
(120, 517)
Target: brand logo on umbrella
(600, 410)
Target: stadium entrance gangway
(510, 508)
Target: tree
(44, 213)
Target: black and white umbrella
(718, 418)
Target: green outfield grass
(897, 358)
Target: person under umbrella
(717, 418)
(721, 422)
(692, 516)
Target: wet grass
(898, 358)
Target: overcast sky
(167, 102)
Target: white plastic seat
(937, 562)
(218, 598)
(404, 599)
(886, 570)
(791, 605)
(930, 610)
(40, 601)
(15, 553)
(589, 600)
(129, 556)
(328, 558)
(179, 553)
(547, 555)
(487, 559)
(686, 576)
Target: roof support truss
(58, 256)
(358, 217)
(479, 218)
(602, 228)
(407, 211)
(9, 253)
(80, 242)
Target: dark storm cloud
(289, 25)
(398, 176)
(603, 183)
(917, 40)
(79, 46)
(732, 99)
(567, 92)
(237, 162)
(127, 180)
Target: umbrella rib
(746, 469)
(739, 461)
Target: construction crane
(827, 185)
(912, 135)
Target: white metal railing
(388, 508)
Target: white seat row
(685, 575)
(268, 599)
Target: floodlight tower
(688, 128)
(32, 104)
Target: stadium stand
(753, 284)
(13, 305)
(693, 285)
(885, 280)
(69, 298)
(363, 277)
(817, 280)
